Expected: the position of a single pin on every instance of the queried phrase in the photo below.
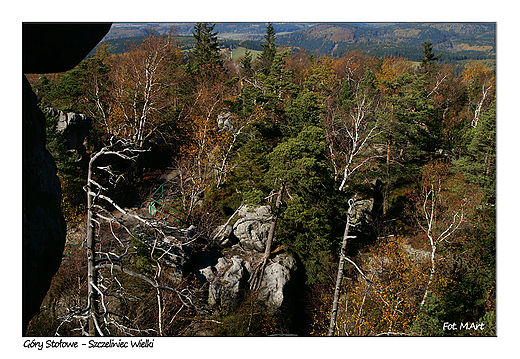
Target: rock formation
(74, 127)
(252, 228)
(228, 278)
(43, 222)
(225, 121)
(46, 48)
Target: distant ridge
(457, 41)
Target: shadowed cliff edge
(47, 48)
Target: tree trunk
(388, 156)
(257, 277)
(91, 258)
(430, 279)
(270, 236)
(339, 278)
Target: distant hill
(233, 31)
(457, 41)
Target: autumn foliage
(417, 141)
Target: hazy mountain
(457, 41)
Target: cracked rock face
(252, 228)
(276, 283)
(74, 126)
(228, 280)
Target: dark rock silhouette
(46, 48)
(58, 47)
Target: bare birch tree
(339, 277)
(100, 317)
(354, 126)
(436, 216)
(480, 81)
(140, 83)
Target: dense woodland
(418, 139)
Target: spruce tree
(311, 223)
(245, 62)
(429, 57)
(208, 60)
(268, 54)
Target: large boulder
(245, 242)
(73, 126)
(225, 121)
(228, 280)
(252, 228)
(362, 212)
(277, 284)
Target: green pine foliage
(303, 111)
(311, 223)
(208, 60)
(478, 161)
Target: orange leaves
(480, 81)
(353, 65)
(476, 71)
(204, 154)
(390, 302)
(140, 79)
(298, 64)
(392, 67)
(321, 77)
(116, 122)
(447, 192)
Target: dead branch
(256, 278)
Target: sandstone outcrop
(228, 279)
(73, 126)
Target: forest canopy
(412, 142)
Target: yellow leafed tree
(140, 79)
(386, 304)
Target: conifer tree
(429, 57)
(208, 60)
(478, 161)
(310, 223)
(267, 56)
(245, 62)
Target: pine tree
(479, 160)
(268, 54)
(302, 111)
(245, 62)
(310, 225)
(208, 60)
(429, 57)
